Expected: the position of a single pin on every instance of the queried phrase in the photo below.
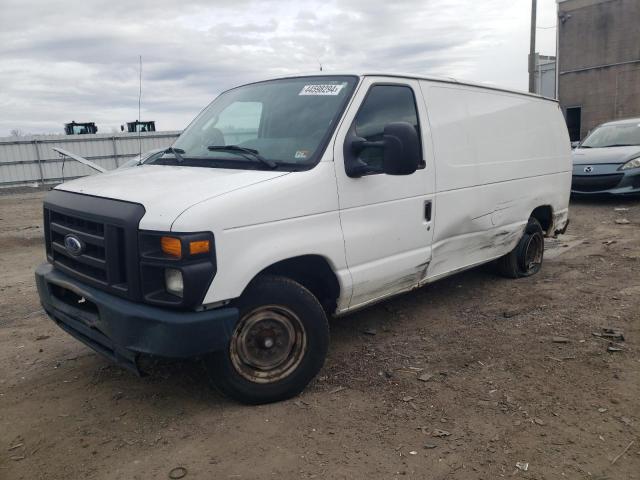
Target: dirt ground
(501, 389)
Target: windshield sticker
(302, 154)
(321, 89)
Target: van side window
(384, 104)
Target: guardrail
(31, 160)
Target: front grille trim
(84, 236)
(109, 229)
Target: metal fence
(30, 160)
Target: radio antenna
(139, 105)
(319, 63)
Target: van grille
(109, 257)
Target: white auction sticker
(321, 90)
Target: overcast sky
(63, 61)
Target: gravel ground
(473, 377)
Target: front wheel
(278, 345)
(526, 258)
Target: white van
(289, 200)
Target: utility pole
(532, 47)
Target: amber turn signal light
(199, 246)
(171, 246)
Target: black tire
(278, 346)
(526, 258)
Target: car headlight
(173, 281)
(633, 163)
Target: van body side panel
(499, 155)
(269, 222)
(478, 240)
(386, 234)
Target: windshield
(613, 136)
(275, 124)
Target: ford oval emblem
(73, 244)
(588, 169)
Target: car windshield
(282, 124)
(620, 135)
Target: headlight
(634, 163)
(176, 268)
(173, 281)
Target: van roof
(414, 76)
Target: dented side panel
(512, 156)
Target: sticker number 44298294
(321, 89)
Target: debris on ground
(539, 421)
(622, 452)
(425, 377)
(609, 242)
(370, 331)
(42, 337)
(622, 221)
(614, 348)
(613, 334)
(620, 209)
(556, 359)
(560, 340)
(430, 446)
(337, 389)
(626, 420)
(177, 473)
(524, 466)
(440, 433)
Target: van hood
(614, 155)
(166, 191)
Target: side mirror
(575, 144)
(401, 151)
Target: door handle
(427, 210)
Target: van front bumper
(123, 330)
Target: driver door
(387, 220)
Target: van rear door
(387, 220)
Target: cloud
(80, 61)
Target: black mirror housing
(402, 152)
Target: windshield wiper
(620, 145)
(176, 153)
(248, 153)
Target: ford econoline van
(291, 200)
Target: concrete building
(599, 62)
(544, 76)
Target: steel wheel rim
(268, 344)
(533, 252)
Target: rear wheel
(526, 258)
(278, 345)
